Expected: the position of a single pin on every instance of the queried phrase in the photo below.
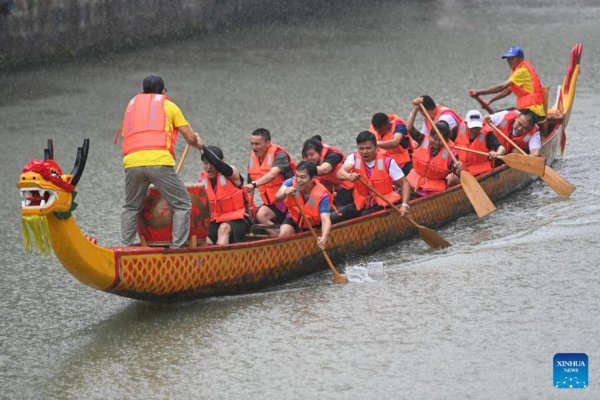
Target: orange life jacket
(506, 126)
(310, 207)
(379, 179)
(144, 125)
(330, 180)
(443, 110)
(398, 153)
(526, 99)
(229, 202)
(428, 173)
(474, 163)
(256, 170)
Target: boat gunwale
(414, 203)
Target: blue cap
(514, 52)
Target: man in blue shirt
(314, 199)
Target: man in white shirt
(380, 171)
(520, 126)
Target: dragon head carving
(45, 189)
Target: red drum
(155, 221)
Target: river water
(482, 319)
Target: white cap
(474, 119)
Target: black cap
(153, 84)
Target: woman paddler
(433, 169)
(328, 160)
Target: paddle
(337, 278)
(477, 196)
(560, 185)
(531, 165)
(482, 103)
(429, 236)
(182, 158)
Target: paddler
(270, 165)
(392, 137)
(328, 160)
(380, 171)
(433, 169)
(523, 82)
(470, 135)
(229, 203)
(314, 199)
(520, 127)
(436, 112)
(150, 128)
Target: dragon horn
(49, 152)
(82, 153)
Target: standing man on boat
(380, 171)
(150, 128)
(270, 165)
(229, 202)
(471, 136)
(392, 137)
(436, 112)
(313, 197)
(523, 82)
(520, 127)
(328, 160)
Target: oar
(429, 236)
(560, 185)
(337, 278)
(531, 165)
(182, 158)
(477, 196)
(483, 104)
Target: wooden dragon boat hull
(158, 274)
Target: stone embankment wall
(33, 32)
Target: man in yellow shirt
(150, 128)
(523, 82)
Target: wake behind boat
(159, 274)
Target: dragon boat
(163, 274)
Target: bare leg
(266, 216)
(224, 232)
(286, 230)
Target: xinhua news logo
(570, 371)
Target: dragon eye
(55, 174)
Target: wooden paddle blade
(560, 185)
(531, 165)
(429, 236)
(432, 238)
(479, 199)
(337, 278)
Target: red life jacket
(330, 180)
(144, 125)
(379, 179)
(310, 207)
(442, 110)
(526, 99)
(398, 153)
(428, 173)
(229, 202)
(256, 170)
(474, 163)
(506, 126)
